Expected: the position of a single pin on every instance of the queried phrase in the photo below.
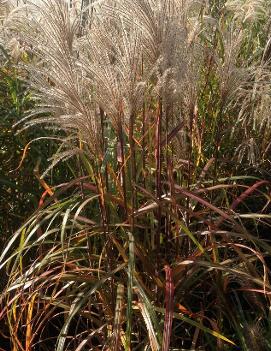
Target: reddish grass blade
(158, 176)
(242, 197)
(193, 196)
(172, 134)
(169, 309)
(189, 313)
(206, 168)
(247, 192)
(43, 196)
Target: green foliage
(18, 188)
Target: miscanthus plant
(159, 242)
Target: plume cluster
(110, 55)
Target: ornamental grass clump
(159, 242)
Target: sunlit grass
(159, 242)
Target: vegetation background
(135, 175)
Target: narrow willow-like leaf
(149, 325)
(63, 227)
(151, 310)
